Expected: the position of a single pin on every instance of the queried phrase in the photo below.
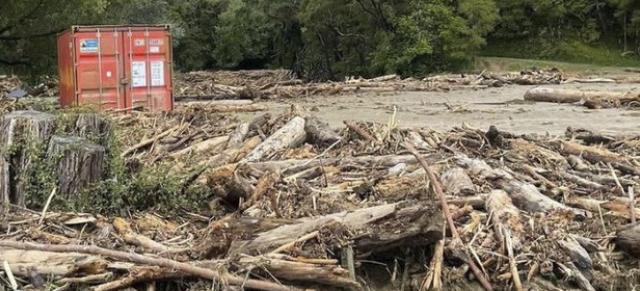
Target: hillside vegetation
(332, 38)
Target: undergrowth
(568, 50)
(122, 189)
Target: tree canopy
(323, 39)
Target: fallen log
(147, 260)
(202, 147)
(505, 216)
(330, 275)
(236, 139)
(290, 135)
(29, 262)
(124, 229)
(524, 195)
(269, 240)
(572, 96)
(457, 182)
(319, 132)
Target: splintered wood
(293, 204)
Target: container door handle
(124, 81)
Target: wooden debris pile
(12, 85)
(281, 84)
(296, 205)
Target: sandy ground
(503, 107)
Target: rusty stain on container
(116, 67)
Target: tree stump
(23, 135)
(77, 163)
(93, 126)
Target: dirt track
(503, 107)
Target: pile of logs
(281, 84)
(12, 85)
(296, 205)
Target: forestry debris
(276, 84)
(295, 205)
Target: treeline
(324, 39)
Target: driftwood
(290, 135)
(147, 260)
(319, 132)
(208, 145)
(78, 163)
(124, 229)
(329, 275)
(30, 262)
(505, 216)
(524, 195)
(592, 99)
(457, 182)
(21, 133)
(272, 239)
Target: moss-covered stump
(22, 137)
(94, 127)
(77, 163)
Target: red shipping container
(116, 67)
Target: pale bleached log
(293, 166)
(555, 95)
(269, 240)
(25, 263)
(290, 135)
(203, 147)
(524, 195)
(504, 215)
(330, 275)
(236, 139)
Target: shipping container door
(147, 55)
(99, 69)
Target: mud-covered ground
(480, 108)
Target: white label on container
(157, 73)
(139, 42)
(138, 74)
(108, 74)
(89, 45)
(154, 49)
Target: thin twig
(46, 205)
(12, 279)
(445, 210)
(632, 204)
(515, 276)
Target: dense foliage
(329, 38)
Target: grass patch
(567, 52)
